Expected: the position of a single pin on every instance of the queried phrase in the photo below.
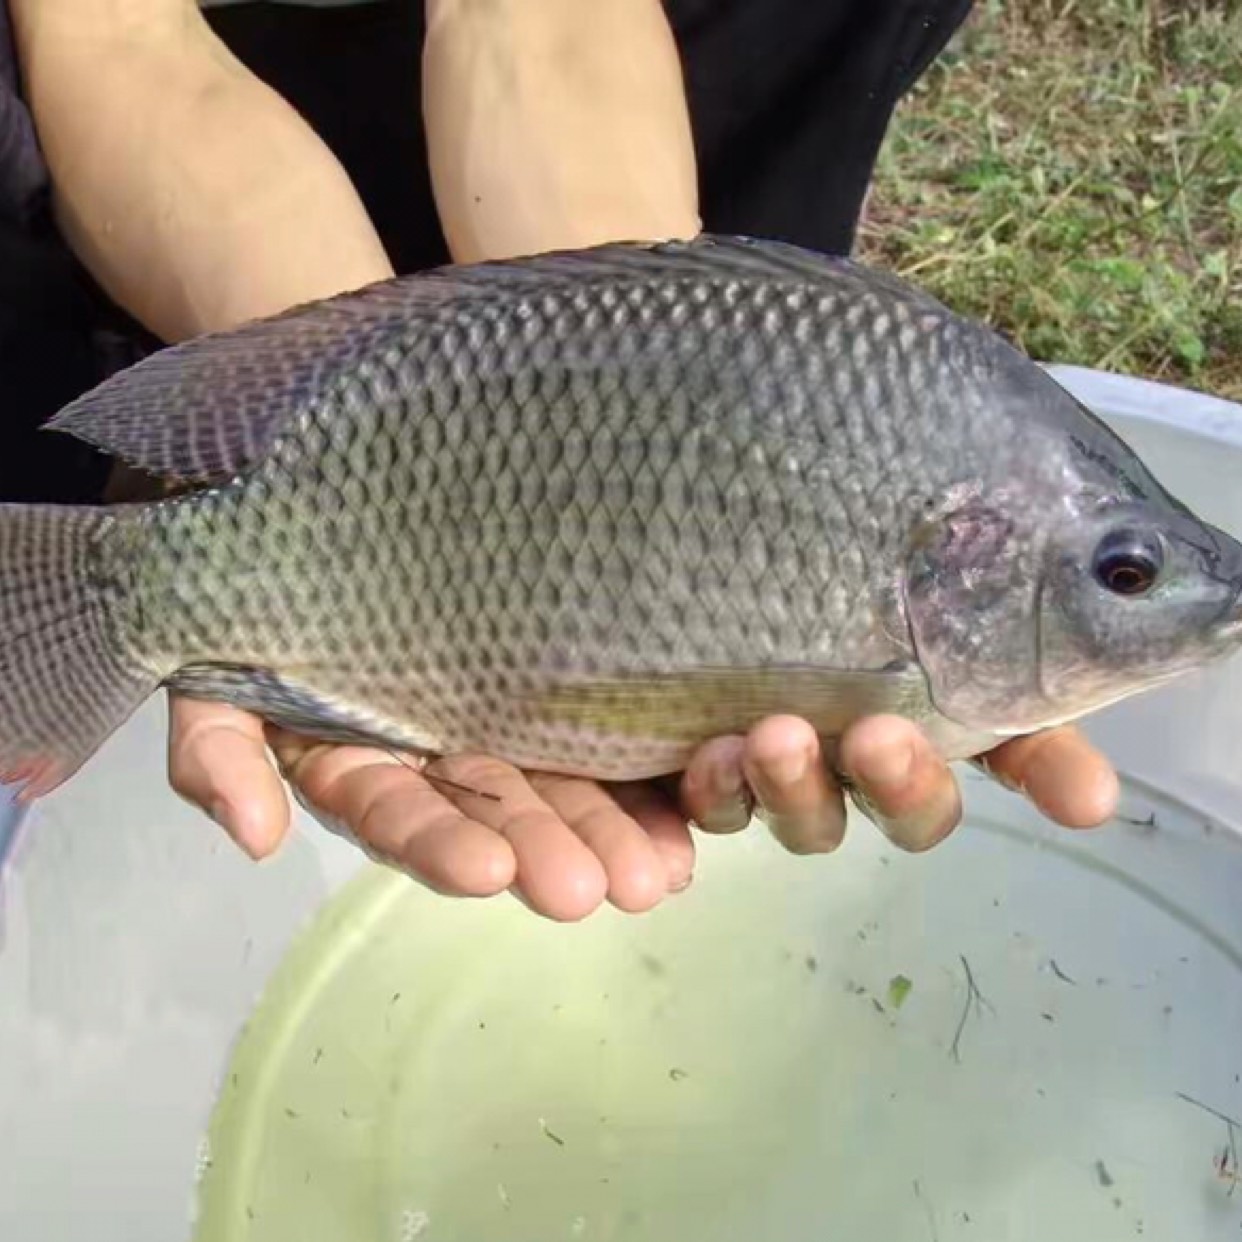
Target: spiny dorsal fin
(708, 255)
(212, 407)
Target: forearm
(556, 124)
(195, 195)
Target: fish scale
(451, 441)
(584, 511)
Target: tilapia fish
(585, 510)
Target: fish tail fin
(67, 679)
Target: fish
(587, 509)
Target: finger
(1062, 774)
(636, 875)
(657, 815)
(802, 804)
(713, 788)
(903, 784)
(637, 879)
(558, 874)
(395, 814)
(218, 760)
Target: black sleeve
(791, 100)
(47, 358)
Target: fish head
(1065, 581)
(1133, 595)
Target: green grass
(1071, 172)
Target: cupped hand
(565, 846)
(561, 845)
(893, 774)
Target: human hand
(565, 846)
(901, 783)
(561, 845)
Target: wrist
(556, 124)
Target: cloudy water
(1015, 1038)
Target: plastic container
(1025, 1034)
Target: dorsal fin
(708, 255)
(210, 408)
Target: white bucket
(1024, 1035)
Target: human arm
(181, 180)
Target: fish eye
(1128, 562)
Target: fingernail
(731, 815)
(806, 834)
(731, 806)
(680, 886)
(725, 780)
(919, 831)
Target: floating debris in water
(1233, 1124)
(1227, 1163)
(1102, 1175)
(1227, 1168)
(932, 1231)
(414, 1225)
(202, 1162)
(556, 1138)
(1060, 974)
(975, 1000)
(899, 988)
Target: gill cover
(972, 602)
